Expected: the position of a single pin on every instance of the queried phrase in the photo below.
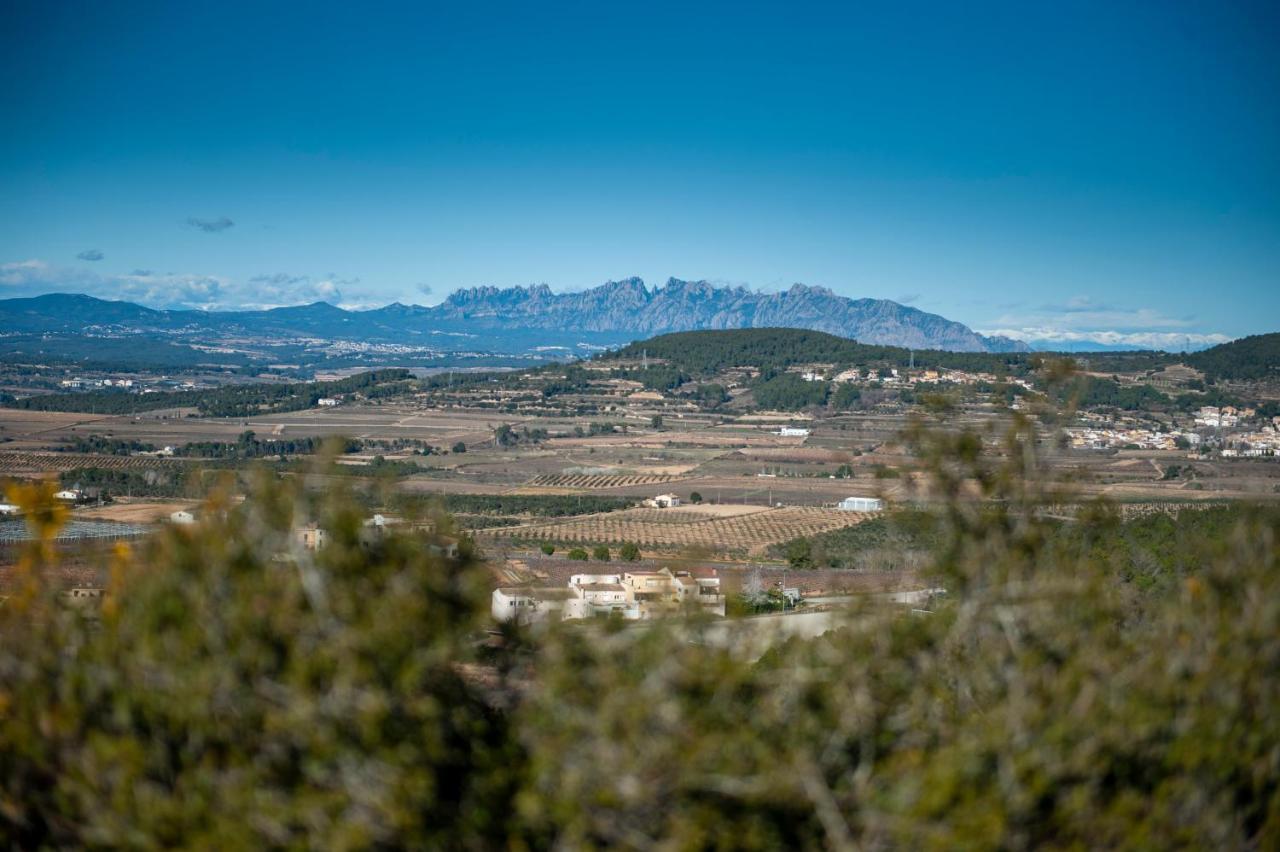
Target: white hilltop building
(861, 504)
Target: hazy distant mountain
(629, 306)
(618, 311)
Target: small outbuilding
(861, 504)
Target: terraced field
(599, 480)
(58, 462)
(749, 532)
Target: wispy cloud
(90, 255)
(169, 290)
(425, 289)
(1082, 319)
(210, 226)
(33, 277)
(174, 289)
(286, 289)
(1167, 340)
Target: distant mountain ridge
(617, 311)
(629, 306)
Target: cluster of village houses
(77, 384)
(1206, 430)
(1104, 437)
(1262, 441)
(633, 595)
(906, 378)
(132, 385)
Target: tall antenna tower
(644, 357)
(913, 359)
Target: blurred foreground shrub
(1080, 688)
(239, 691)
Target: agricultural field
(136, 511)
(714, 529)
(591, 481)
(586, 435)
(23, 463)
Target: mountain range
(614, 312)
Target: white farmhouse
(861, 504)
(596, 594)
(527, 605)
(793, 432)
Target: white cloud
(285, 289)
(1082, 319)
(1174, 341)
(32, 277)
(173, 289)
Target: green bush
(229, 698)
(1083, 684)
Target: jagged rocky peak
(627, 285)
(627, 306)
(798, 289)
(490, 293)
(629, 292)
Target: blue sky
(1068, 172)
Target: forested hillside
(1249, 358)
(703, 353)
